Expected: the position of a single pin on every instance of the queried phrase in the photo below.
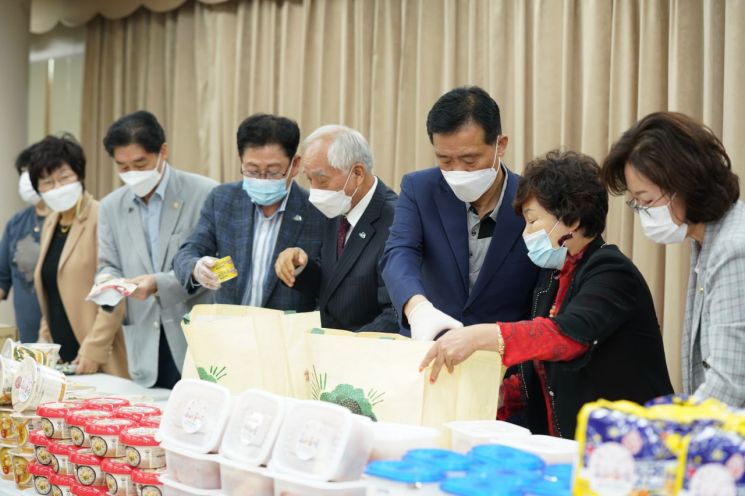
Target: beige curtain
(566, 73)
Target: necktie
(341, 235)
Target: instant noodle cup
(141, 448)
(153, 421)
(60, 452)
(25, 423)
(8, 371)
(41, 475)
(53, 418)
(76, 420)
(118, 475)
(104, 434)
(23, 478)
(46, 354)
(61, 484)
(41, 447)
(105, 403)
(7, 428)
(88, 468)
(35, 384)
(148, 482)
(137, 412)
(6, 461)
(80, 490)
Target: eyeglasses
(271, 173)
(638, 208)
(50, 182)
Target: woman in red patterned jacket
(593, 333)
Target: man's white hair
(347, 147)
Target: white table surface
(106, 385)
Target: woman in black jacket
(594, 333)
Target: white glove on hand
(203, 274)
(427, 322)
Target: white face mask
(468, 186)
(26, 190)
(332, 203)
(143, 182)
(659, 226)
(63, 198)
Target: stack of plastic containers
(191, 430)
(321, 449)
(248, 443)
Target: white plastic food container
(238, 479)
(8, 371)
(322, 441)
(469, 433)
(391, 441)
(175, 488)
(195, 416)
(253, 427)
(197, 470)
(285, 485)
(552, 450)
(35, 384)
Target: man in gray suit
(140, 227)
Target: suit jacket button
(701, 289)
(156, 324)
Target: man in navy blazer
(254, 220)
(455, 255)
(338, 163)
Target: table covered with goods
(300, 427)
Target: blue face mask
(265, 191)
(542, 253)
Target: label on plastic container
(194, 415)
(151, 491)
(251, 431)
(25, 386)
(309, 440)
(42, 485)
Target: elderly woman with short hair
(593, 333)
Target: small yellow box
(224, 269)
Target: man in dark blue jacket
(254, 220)
(455, 255)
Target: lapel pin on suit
(363, 235)
(298, 218)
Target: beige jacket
(97, 331)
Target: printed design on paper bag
(346, 395)
(215, 373)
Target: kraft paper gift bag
(379, 377)
(372, 377)
(246, 347)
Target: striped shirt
(266, 230)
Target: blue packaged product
(545, 487)
(480, 486)
(507, 457)
(407, 472)
(714, 458)
(447, 461)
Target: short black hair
(53, 152)
(23, 160)
(461, 106)
(568, 185)
(139, 128)
(260, 130)
(680, 155)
